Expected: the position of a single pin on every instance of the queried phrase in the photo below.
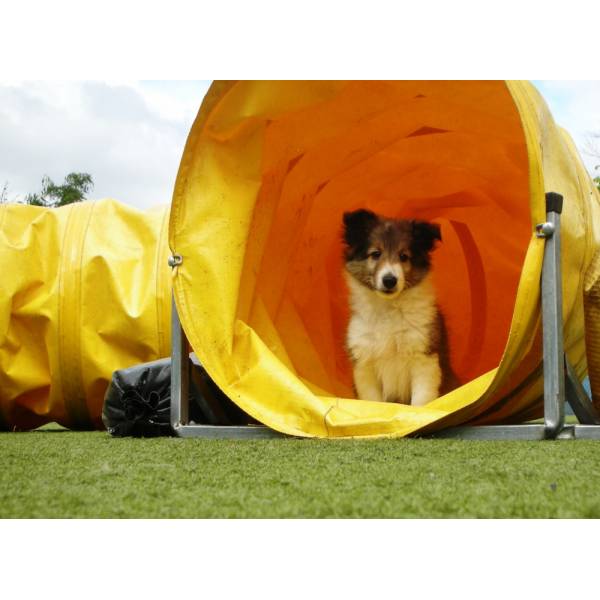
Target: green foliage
(597, 182)
(73, 189)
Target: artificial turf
(58, 473)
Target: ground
(58, 473)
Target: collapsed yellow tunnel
(84, 290)
(268, 170)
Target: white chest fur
(389, 342)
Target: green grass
(70, 474)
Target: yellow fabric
(85, 290)
(267, 172)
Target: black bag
(138, 401)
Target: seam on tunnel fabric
(59, 316)
(337, 404)
(162, 288)
(69, 321)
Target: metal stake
(552, 323)
(180, 372)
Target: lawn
(58, 473)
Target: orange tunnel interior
(450, 152)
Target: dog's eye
(404, 257)
(375, 255)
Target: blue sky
(130, 134)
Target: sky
(130, 134)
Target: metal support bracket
(180, 381)
(578, 399)
(552, 324)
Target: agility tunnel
(268, 170)
(84, 290)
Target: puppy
(396, 336)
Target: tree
(73, 189)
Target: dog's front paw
(423, 398)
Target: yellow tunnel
(84, 291)
(268, 170)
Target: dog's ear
(425, 234)
(357, 227)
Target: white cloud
(128, 135)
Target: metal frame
(560, 381)
(180, 382)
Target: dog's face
(388, 255)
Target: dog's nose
(389, 282)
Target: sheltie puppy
(396, 336)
